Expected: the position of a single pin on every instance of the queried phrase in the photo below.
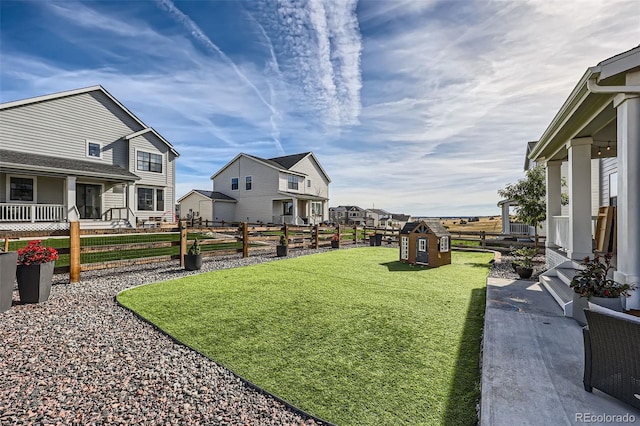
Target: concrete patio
(533, 363)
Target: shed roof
(433, 225)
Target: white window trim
(86, 151)
(238, 188)
(404, 248)
(164, 163)
(154, 198)
(35, 189)
(245, 183)
(444, 244)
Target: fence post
(74, 252)
(355, 234)
(339, 235)
(183, 242)
(245, 239)
(483, 240)
(6, 244)
(315, 231)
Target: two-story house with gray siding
(292, 189)
(81, 155)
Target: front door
(422, 256)
(88, 201)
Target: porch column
(506, 220)
(554, 198)
(628, 211)
(131, 203)
(72, 215)
(580, 238)
(294, 211)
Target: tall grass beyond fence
(85, 250)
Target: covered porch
(299, 209)
(38, 191)
(599, 121)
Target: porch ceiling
(302, 196)
(29, 163)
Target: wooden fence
(93, 249)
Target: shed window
(404, 248)
(422, 244)
(444, 244)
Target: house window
(316, 208)
(22, 189)
(287, 208)
(159, 200)
(149, 162)
(145, 199)
(94, 150)
(308, 183)
(234, 184)
(247, 183)
(292, 182)
(613, 189)
(444, 244)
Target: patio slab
(532, 363)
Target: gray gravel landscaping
(79, 358)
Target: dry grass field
(485, 224)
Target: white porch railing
(560, 226)
(10, 212)
(519, 228)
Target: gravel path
(79, 358)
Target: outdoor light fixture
(608, 146)
(599, 151)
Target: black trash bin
(378, 238)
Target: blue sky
(421, 107)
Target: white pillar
(554, 198)
(131, 203)
(294, 211)
(72, 215)
(580, 238)
(506, 220)
(628, 211)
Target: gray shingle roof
(214, 195)
(433, 224)
(30, 162)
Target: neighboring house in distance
(292, 189)
(338, 214)
(599, 120)
(81, 155)
(354, 215)
(206, 205)
(394, 220)
(374, 216)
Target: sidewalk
(533, 362)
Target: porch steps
(557, 281)
(560, 291)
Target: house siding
(60, 127)
(608, 166)
(195, 202)
(51, 190)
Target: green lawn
(352, 336)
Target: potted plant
(335, 241)
(193, 258)
(282, 247)
(523, 264)
(35, 271)
(593, 284)
(8, 263)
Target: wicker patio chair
(612, 354)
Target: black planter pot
(34, 282)
(282, 251)
(8, 263)
(524, 272)
(335, 244)
(192, 262)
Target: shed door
(422, 254)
